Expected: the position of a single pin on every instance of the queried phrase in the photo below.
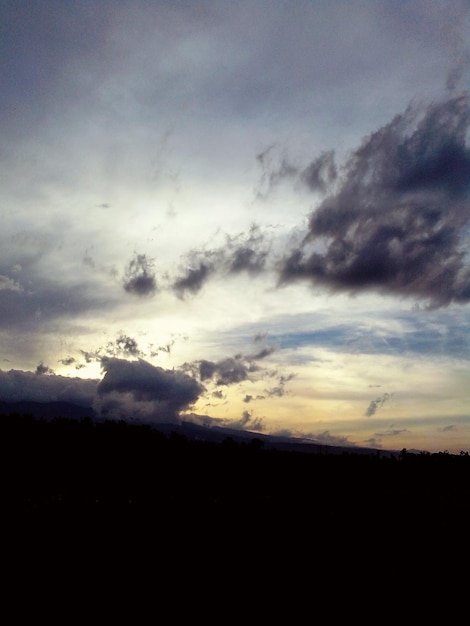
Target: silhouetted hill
(212, 433)
(218, 434)
(46, 410)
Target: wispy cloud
(377, 404)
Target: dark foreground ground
(117, 471)
(125, 503)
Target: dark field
(130, 504)
(82, 468)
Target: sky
(250, 214)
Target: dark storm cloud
(168, 391)
(139, 277)
(398, 221)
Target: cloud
(318, 176)
(398, 221)
(9, 284)
(164, 392)
(240, 253)
(274, 169)
(326, 438)
(139, 277)
(127, 346)
(245, 422)
(123, 346)
(247, 254)
(42, 369)
(129, 390)
(445, 429)
(70, 360)
(263, 353)
(392, 432)
(377, 404)
(16, 385)
(45, 300)
(227, 371)
(193, 280)
(280, 390)
(395, 221)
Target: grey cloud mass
(193, 280)
(399, 220)
(131, 389)
(148, 382)
(147, 390)
(139, 278)
(16, 385)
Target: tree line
(82, 465)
